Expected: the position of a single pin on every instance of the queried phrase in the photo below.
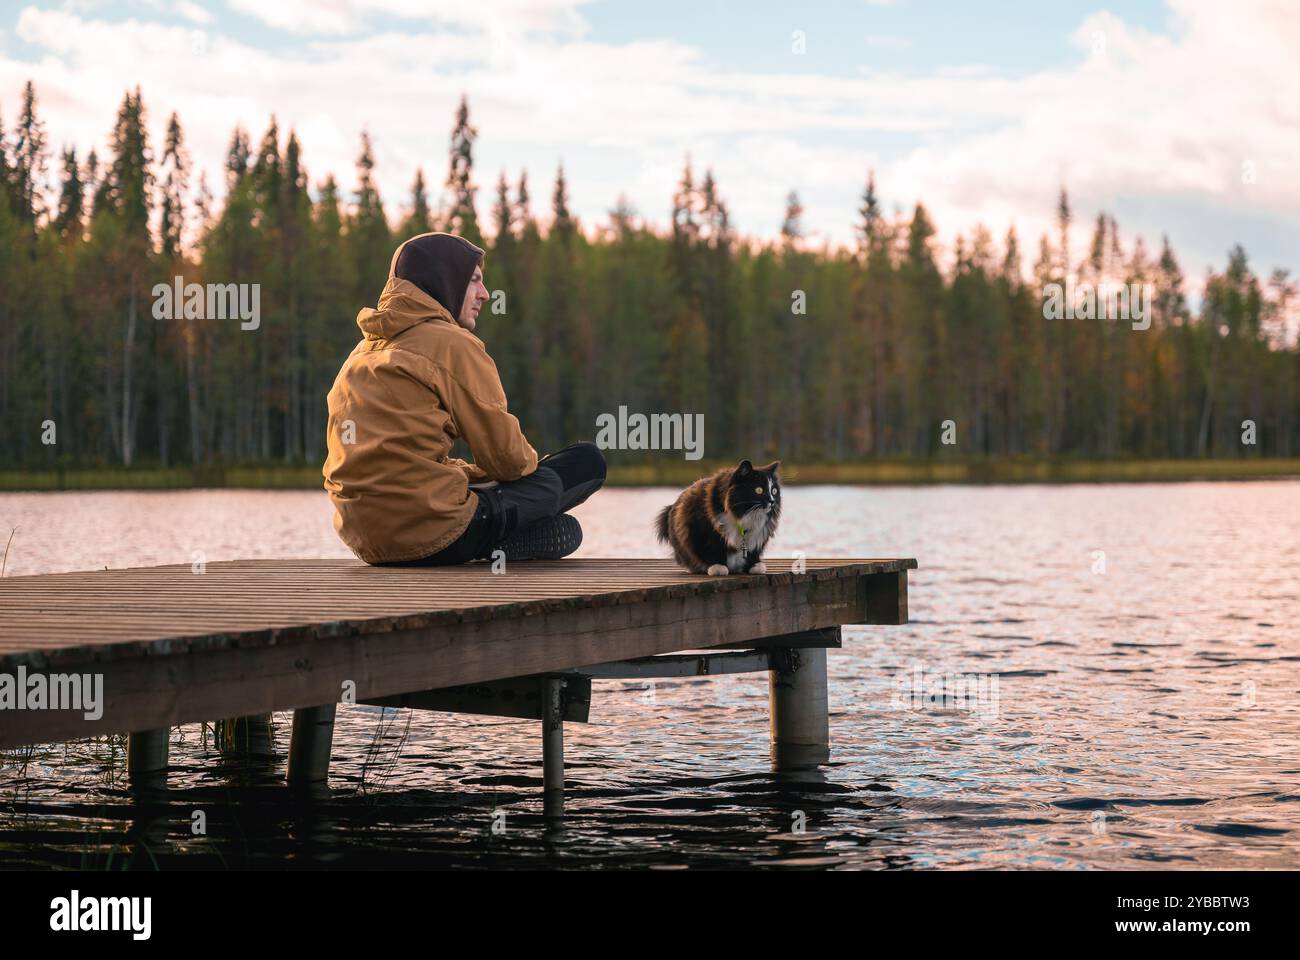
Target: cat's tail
(661, 523)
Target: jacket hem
(378, 557)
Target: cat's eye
(758, 489)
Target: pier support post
(146, 752)
(249, 735)
(552, 746)
(310, 744)
(800, 723)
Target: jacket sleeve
(473, 472)
(476, 401)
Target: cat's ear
(744, 468)
(772, 467)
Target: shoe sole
(551, 539)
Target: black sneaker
(548, 539)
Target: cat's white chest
(742, 537)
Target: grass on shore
(682, 472)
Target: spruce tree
(368, 237)
(462, 219)
(175, 184)
(30, 159)
(419, 220)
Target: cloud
(192, 12)
(1138, 114)
(350, 16)
(1128, 114)
(187, 9)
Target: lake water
(1142, 638)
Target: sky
(1179, 117)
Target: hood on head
(401, 305)
(440, 264)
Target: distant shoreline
(680, 473)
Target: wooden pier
(181, 644)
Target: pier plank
(247, 637)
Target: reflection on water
(1138, 645)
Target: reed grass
(680, 472)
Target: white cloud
(348, 16)
(1131, 114)
(188, 9)
(193, 12)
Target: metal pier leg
(146, 752)
(552, 747)
(310, 744)
(800, 727)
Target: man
(419, 380)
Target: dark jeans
(561, 481)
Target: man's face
(475, 297)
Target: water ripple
(1142, 639)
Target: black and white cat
(721, 523)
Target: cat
(721, 523)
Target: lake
(1139, 643)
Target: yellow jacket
(413, 385)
